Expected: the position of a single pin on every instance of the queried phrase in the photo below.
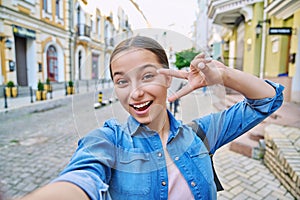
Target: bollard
(66, 88)
(31, 94)
(5, 98)
(100, 98)
(50, 91)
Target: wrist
(225, 74)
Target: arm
(87, 174)
(223, 127)
(58, 191)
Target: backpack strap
(200, 133)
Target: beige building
(39, 41)
(56, 40)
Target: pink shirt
(178, 187)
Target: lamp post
(259, 29)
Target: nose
(137, 93)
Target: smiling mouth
(142, 106)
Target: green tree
(184, 58)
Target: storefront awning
(23, 32)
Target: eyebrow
(141, 68)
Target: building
(56, 40)
(38, 36)
(260, 37)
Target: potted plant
(48, 86)
(41, 94)
(11, 90)
(70, 88)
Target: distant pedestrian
(153, 155)
(176, 102)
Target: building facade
(260, 37)
(56, 40)
(38, 34)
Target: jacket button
(193, 184)
(163, 183)
(176, 158)
(159, 154)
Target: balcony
(83, 30)
(109, 42)
(228, 12)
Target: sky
(175, 15)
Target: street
(35, 146)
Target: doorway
(21, 61)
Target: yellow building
(56, 40)
(39, 41)
(263, 42)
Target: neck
(162, 126)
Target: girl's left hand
(203, 72)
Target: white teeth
(141, 105)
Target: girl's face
(140, 89)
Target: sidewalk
(29, 102)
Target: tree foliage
(184, 58)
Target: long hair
(141, 42)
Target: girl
(153, 155)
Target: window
(92, 26)
(99, 26)
(52, 70)
(45, 5)
(47, 9)
(78, 15)
(57, 8)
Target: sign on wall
(23, 32)
(280, 31)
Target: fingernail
(208, 59)
(201, 65)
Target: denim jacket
(127, 161)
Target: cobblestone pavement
(246, 178)
(35, 146)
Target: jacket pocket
(127, 157)
(125, 183)
(201, 160)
